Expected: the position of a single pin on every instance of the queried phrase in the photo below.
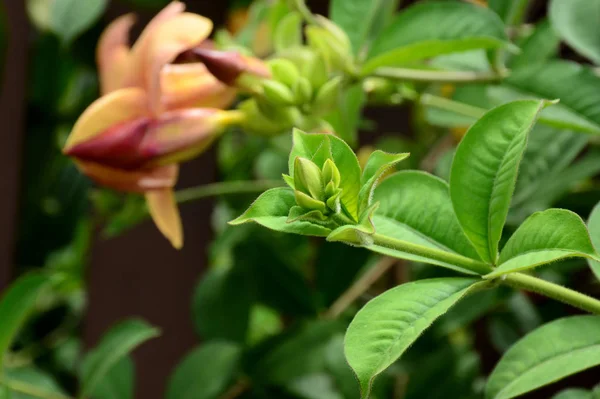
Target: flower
(155, 113)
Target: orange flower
(149, 117)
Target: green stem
(30, 390)
(416, 75)
(229, 187)
(451, 105)
(473, 265)
(303, 9)
(554, 291)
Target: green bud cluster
(305, 84)
(317, 189)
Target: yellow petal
(118, 106)
(112, 53)
(130, 180)
(191, 85)
(171, 38)
(164, 212)
(140, 48)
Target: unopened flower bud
(327, 96)
(331, 173)
(277, 93)
(332, 43)
(308, 202)
(284, 71)
(307, 178)
(302, 91)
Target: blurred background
(52, 217)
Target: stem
(304, 11)
(437, 76)
(230, 187)
(554, 291)
(360, 286)
(451, 105)
(473, 265)
(27, 389)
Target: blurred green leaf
(114, 346)
(264, 323)
(540, 46)
(36, 381)
(356, 18)
(205, 372)
(118, 383)
(70, 18)
(15, 306)
(576, 22)
(512, 12)
(594, 228)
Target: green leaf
(271, 210)
(345, 119)
(118, 383)
(574, 393)
(314, 386)
(387, 325)
(545, 237)
(404, 215)
(318, 148)
(338, 367)
(36, 380)
(356, 18)
(70, 18)
(484, 172)
(577, 87)
(594, 229)
(434, 28)
(15, 306)
(206, 372)
(377, 164)
(288, 33)
(114, 346)
(512, 12)
(576, 22)
(550, 353)
(539, 47)
(215, 314)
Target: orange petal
(140, 48)
(119, 106)
(164, 212)
(130, 180)
(112, 53)
(189, 85)
(171, 38)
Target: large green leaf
(387, 325)
(69, 18)
(511, 11)
(484, 172)
(271, 210)
(576, 22)
(16, 304)
(575, 393)
(205, 372)
(577, 87)
(415, 207)
(356, 18)
(553, 351)
(545, 237)
(434, 28)
(38, 384)
(594, 229)
(118, 383)
(114, 346)
(215, 314)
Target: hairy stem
(360, 286)
(228, 187)
(473, 265)
(24, 388)
(416, 75)
(554, 291)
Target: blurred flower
(154, 114)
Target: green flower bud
(302, 91)
(284, 71)
(256, 122)
(307, 202)
(331, 173)
(336, 32)
(332, 43)
(277, 93)
(327, 96)
(333, 201)
(284, 115)
(307, 178)
(315, 70)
